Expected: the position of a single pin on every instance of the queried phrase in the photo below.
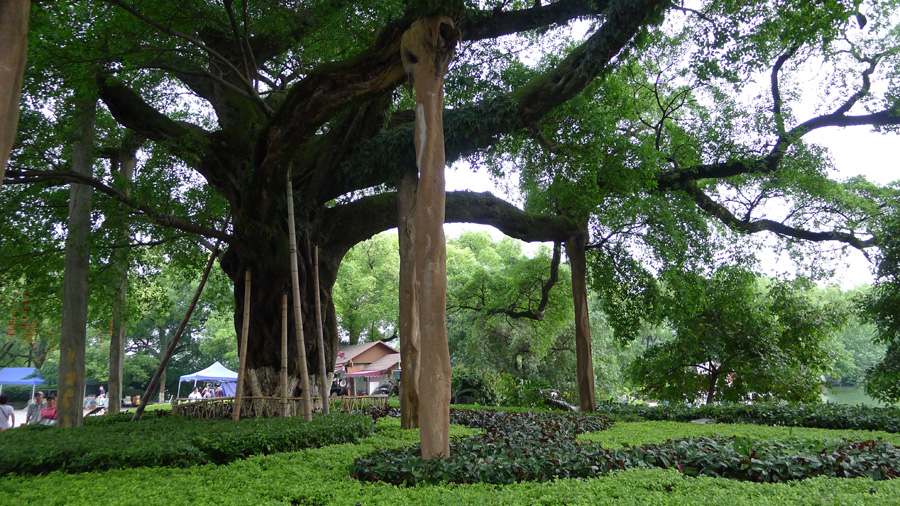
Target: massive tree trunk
(584, 361)
(72, 335)
(426, 49)
(13, 51)
(269, 262)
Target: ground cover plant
(162, 440)
(516, 447)
(320, 476)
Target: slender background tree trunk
(72, 336)
(125, 162)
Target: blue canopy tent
(215, 372)
(21, 376)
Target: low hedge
(319, 477)
(170, 441)
(823, 416)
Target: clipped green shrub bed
(823, 416)
(319, 476)
(519, 447)
(168, 441)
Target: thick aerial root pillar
(584, 361)
(410, 340)
(426, 50)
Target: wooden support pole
(245, 330)
(170, 350)
(284, 355)
(298, 313)
(324, 389)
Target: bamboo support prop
(170, 350)
(284, 355)
(245, 330)
(298, 314)
(252, 406)
(324, 390)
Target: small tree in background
(736, 337)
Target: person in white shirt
(33, 413)
(7, 414)
(195, 395)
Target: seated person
(48, 414)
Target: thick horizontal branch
(36, 176)
(724, 215)
(770, 162)
(496, 23)
(352, 223)
(133, 112)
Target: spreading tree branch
(37, 176)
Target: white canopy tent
(215, 372)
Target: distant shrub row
(160, 440)
(822, 416)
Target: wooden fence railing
(223, 407)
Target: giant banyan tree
(338, 125)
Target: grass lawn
(320, 477)
(851, 396)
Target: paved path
(20, 416)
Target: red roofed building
(363, 367)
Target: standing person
(33, 413)
(195, 395)
(102, 391)
(7, 414)
(48, 414)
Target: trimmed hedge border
(319, 477)
(168, 441)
